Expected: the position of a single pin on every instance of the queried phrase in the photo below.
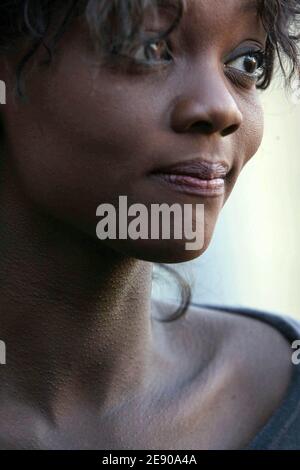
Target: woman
(102, 99)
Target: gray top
(282, 431)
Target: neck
(75, 317)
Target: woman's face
(89, 133)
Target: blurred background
(254, 257)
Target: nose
(207, 107)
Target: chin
(182, 237)
(158, 251)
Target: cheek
(94, 132)
(247, 139)
(95, 112)
(252, 129)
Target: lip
(196, 177)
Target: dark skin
(87, 367)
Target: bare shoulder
(238, 333)
(249, 362)
(245, 337)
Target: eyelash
(258, 54)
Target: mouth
(195, 177)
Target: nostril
(205, 127)
(230, 130)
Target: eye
(251, 64)
(153, 51)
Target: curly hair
(115, 24)
(32, 19)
